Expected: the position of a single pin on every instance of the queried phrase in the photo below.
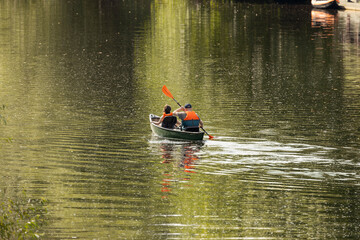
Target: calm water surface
(277, 85)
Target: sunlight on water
(277, 86)
(287, 160)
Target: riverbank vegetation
(21, 217)
(276, 1)
(3, 122)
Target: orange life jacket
(166, 115)
(169, 120)
(191, 121)
(191, 115)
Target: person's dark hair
(167, 109)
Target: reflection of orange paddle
(166, 91)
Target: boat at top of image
(328, 4)
(175, 132)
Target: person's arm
(160, 120)
(180, 109)
(201, 123)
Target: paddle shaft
(206, 132)
(177, 102)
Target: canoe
(325, 3)
(173, 133)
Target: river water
(278, 86)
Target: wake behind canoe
(174, 132)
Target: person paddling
(190, 121)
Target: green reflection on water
(268, 68)
(80, 78)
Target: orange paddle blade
(210, 137)
(167, 92)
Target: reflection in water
(180, 157)
(323, 18)
(167, 155)
(350, 21)
(266, 176)
(278, 86)
(190, 158)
